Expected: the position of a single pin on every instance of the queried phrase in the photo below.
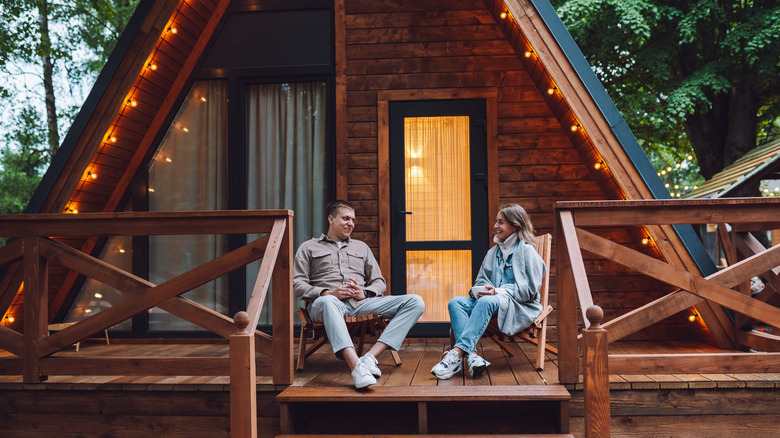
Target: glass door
(438, 200)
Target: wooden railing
(25, 261)
(747, 259)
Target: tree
(691, 77)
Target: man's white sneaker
(448, 366)
(477, 365)
(361, 376)
(371, 363)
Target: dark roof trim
(620, 128)
(85, 113)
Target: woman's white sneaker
(477, 365)
(448, 366)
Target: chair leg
(301, 351)
(501, 344)
(396, 357)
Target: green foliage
(23, 162)
(663, 62)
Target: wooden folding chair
(359, 327)
(537, 332)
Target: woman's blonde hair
(516, 215)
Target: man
(338, 276)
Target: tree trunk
(726, 132)
(48, 80)
(743, 122)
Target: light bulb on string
(503, 15)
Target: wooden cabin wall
(433, 45)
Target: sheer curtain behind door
(287, 159)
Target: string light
(132, 102)
(173, 30)
(152, 66)
(575, 127)
(598, 165)
(10, 318)
(112, 139)
(202, 99)
(551, 90)
(91, 175)
(692, 317)
(528, 53)
(503, 14)
(646, 241)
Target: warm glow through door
(437, 187)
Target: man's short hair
(333, 207)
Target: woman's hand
(489, 290)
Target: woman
(507, 284)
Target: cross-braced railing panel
(714, 290)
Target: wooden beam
(677, 277)
(759, 340)
(11, 341)
(665, 212)
(140, 224)
(574, 255)
(714, 363)
(260, 288)
(130, 284)
(35, 307)
(649, 314)
(152, 297)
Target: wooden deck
(688, 405)
(419, 355)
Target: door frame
(383, 154)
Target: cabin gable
(548, 138)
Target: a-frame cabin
(266, 104)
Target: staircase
(534, 410)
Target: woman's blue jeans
(470, 318)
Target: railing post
(568, 354)
(282, 294)
(243, 380)
(36, 307)
(596, 376)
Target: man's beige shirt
(321, 265)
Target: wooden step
(373, 435)
(422, 396)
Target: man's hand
(349, 290)
(357, 291)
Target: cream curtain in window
(189, 172)
(437, 188)
(287, 162)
